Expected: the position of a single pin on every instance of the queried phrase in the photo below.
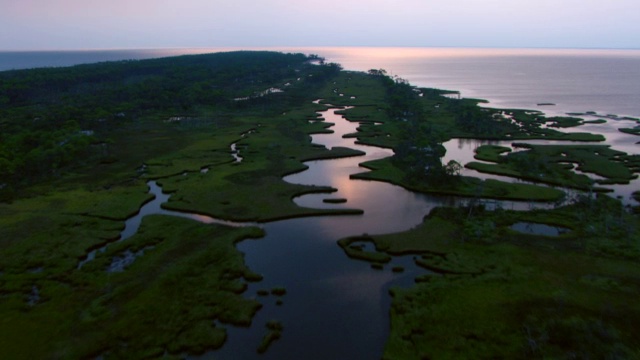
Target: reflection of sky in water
(617, 139)
(387, 207)
(538, 229)
(339, 128)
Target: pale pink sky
(81, 24)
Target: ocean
(573, 80)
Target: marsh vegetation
(78, 146)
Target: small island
(335, 201)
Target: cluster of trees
(176, 83)
(51, 117)
(420, 149)
(27, 154)
(478, 121)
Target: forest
(54, 119)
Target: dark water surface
(539, 229)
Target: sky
(134, 24)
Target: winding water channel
(463, 151)
(334, 307)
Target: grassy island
(554, 164)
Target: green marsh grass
(518, 296)
(548, 164)
(385, 170)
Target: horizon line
(311, 47)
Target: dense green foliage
(186, 282)
(634, 130)
(419, 148)
(54, 119)
(167, 300)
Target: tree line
(51, 117)
(419, 150)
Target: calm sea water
(605, 81)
